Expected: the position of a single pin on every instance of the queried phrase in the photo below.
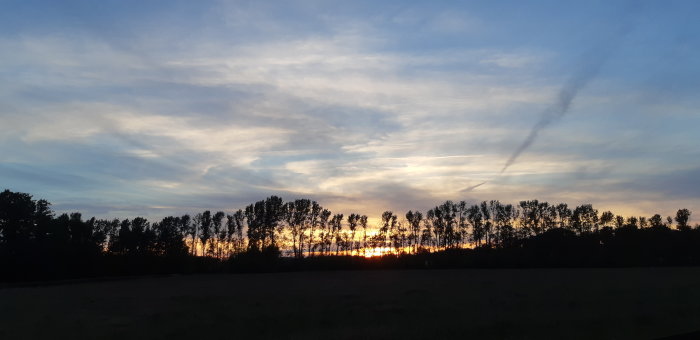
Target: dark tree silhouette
(682, 218)
(263, 219)
(17, 214)
(607, 217)
(169, 240)
(655, 221)
(363, 224)
(219, 233)
(584, 219)
(202, 226)
(34, 242)
(353, 221)
(315, 220)
(336, 227)
(297, 214)
(414, 221)
(234, 227)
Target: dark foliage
(36, 244)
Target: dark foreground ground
(633, 303)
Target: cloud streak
(359, 108)
(589, 67)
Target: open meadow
(628, 303)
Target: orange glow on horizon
(377, 251)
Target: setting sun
(349, 169)
(378, 251)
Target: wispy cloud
(367, 108)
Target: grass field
(630, 303)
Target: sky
(154, 108)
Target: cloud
(679, 184)
(32, 177)
(510, 60)
(366, 108)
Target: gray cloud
(677, 184)
(36, 177)
(344, 107)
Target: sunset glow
(362, 106)
(306, 169)
(378, 251)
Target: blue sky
(125, 108)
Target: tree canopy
(33, 238)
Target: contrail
(590, 64)
(593, 60)
(473, 187)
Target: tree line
(31, 232)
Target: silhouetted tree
(219, 233)
(203, 223)
(298, 217)
(584, 219)
(263, 219)
(336, 227)
(414, 220)
(33, 238)
(315, 220)
(656, 221)
(607, 217)
(619, 221)
(475, 218)
(169, 241)
(353, 221)
(325, 235)
(682, 217)
(234, 226)
(185, 228)
(643, 223)
(488, 224)
(17, 212)
(363, 224)
(564, 214)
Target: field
(629, 303)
